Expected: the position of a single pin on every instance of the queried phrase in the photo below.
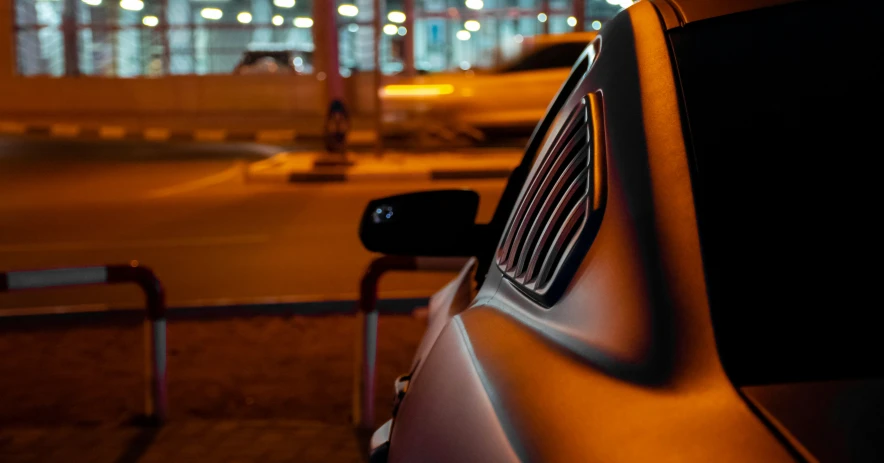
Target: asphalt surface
(184, 211)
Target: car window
(560, 55)
(785, 131)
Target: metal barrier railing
(155, 399)
(367, 314)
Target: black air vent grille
(554, 207)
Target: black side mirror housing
(427, 223)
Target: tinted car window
(785, 128)
(560, 55)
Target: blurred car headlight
(416, 91)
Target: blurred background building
(137, 38)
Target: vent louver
(555, 205)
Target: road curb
(199, 310)
(303, 169)
(374, 177)
(166, 134)
(429, 175)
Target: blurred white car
(515, 94)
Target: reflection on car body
(670, 273)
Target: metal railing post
(156, 406)
(367, 317)
(155, 398)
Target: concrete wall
(177, 94)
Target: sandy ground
(261, 367)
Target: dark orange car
(683, 266)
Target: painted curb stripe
(64, 130)
(156, 134)
(111, 132)
(359, 138)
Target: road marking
(235, 171)
(160, 243)
(12, 128)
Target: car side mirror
(426, 223)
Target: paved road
(184, 211)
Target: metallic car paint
(449, 301)
(623, 367)
(447, 414)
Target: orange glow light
(417, 90)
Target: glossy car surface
(673, 273)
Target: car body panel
(452, 299)
(624, 366)
(826, 420)
(447, 414)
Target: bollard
(156, 407)
(155, 400)
(366, 351)
(367, 317)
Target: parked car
(269, 62)
(484, 99)
(682, 268)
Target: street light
(572, 21)
(132, 5)
(472, 25)
(92, 2)
(391, 29)
(596, 25)
(475, 4)
(402, 30)
(542, 17)
(397, 17)
(277, 20)
(463, 35)
(150, 21)
(244, 17)
(211, 13)
(284, 3)
(348, 10)
(303, 22)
